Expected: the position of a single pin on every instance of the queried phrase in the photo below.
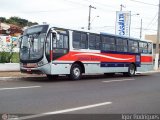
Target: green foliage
(2, 19)
(15, 57)
(18, 21)
(6, 57)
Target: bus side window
(150, 48)
(94, 42)
(65, 41)
(76, 39)
(133, 46)
(143, 47)
(121, 45)
(98, 42)
(80, 40)
(60, 41)
(84, 41)
(108, 43)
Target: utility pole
(121, 7)
(89, 18)
(158, 38)
(0, 27)
(140, 36)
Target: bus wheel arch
(76, 70)
(80, 64)
(131, 70)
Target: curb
(20, 78)
(43, 77)
(148, 72)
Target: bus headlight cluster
(40, 63)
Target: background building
(9, 34)
(10, 29)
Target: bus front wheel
(75, 72)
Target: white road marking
(16, 88)
(118, 80)
(65, 110)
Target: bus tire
(131, 70)
(52, 77)
(75, 72)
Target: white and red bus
(57, 51)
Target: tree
(17, 21)
(2, 19)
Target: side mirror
(58, 37)
(55, 34)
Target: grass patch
(6, 57)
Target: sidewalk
(9, 67)
(13, 74)
(12, 70)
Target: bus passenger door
(48, 47)
(60, 45)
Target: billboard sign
(6, 43)
(123, 20)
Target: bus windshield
(32, 43)
(32, 46)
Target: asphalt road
(91, 95)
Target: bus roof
(95, 32)
(125, 37)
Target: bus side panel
(146, 63)
(95, 62)
(60, 67)
(96, 68)
(46, 69)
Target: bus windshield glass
(32, 43)
(32, 46)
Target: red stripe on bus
(146, 59)
(97, 57)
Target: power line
(77, 3)
(46, 11)
(144, 3)
(152, 21)
(102, 4)
(104, 27)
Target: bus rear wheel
(131, 70)
(75, 72)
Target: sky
(74, 13)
